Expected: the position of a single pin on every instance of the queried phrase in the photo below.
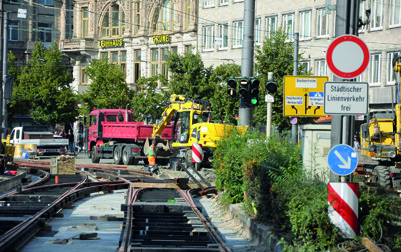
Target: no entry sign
(347, 56)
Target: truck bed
(45, 142)
(132, 130)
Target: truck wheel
(383, 176)
(95, 158)
(117, 156)
(127, 160)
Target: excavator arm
(177, 103)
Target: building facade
(221, 25)
(29, 22)
(134, 34)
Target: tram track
(177, 222)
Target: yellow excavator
(381, 141)
(192, 123)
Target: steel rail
(216, 236)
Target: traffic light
(271, 87)
(254, 91)
(244, 87)
(232, 87)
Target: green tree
(189, 76)
(147, 103)
(107, 88)
(276, 55)
(223, 107)
(42, 89)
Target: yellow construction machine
(381, 141)
(192, 123)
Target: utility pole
(4, 77)
(245, 113)
(294, 127)
(347, 15)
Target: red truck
(113, 134)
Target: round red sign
(347, 56)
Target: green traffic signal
(254, 101)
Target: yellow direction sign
(304, 95)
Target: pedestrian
(70, 137)
(79, 141)
(62, 134)
(152, 154)
(356, 144)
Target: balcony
(75, 45)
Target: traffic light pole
(245, 114)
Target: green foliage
(107, 88)
(42, 89)
(189, 76)
(224, 108)
(378, 213)
(147, 103)
(277, 56)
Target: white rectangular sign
(346, 98)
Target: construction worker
(152, 154)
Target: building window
(85, 16)
(224, 2)
(208, 3)
(223, 35)
(165, 17)
(306, 66)
(137, 24)
(104, 56)
(84, 76)
(257, 31)
(391, 75)
(154, 61)
(45, 33)
(395, 12)
(114, 20)
(288, 24)
(137, 58)
(164, 64)
(321, 68)
(305, 19)
(188, 49)
(46, 2)
(114, 57)
(13, 30)
(271, 26)
(188, 14)
(174, 49)
(238, 33)
(123, 63)
(322, 23)
(208, 37)
(377, 14)
(375, 68)
(362, 13)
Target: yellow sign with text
(304, 96)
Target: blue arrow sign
(342, 159)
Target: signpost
(347, 56)
(303, 96)
(346, 98)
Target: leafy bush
(268, 177)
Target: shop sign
(111, 43)
(158, 39)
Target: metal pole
(346, 23)
(245, 114)
(2, 102)
(294, 127)
(270, 77)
